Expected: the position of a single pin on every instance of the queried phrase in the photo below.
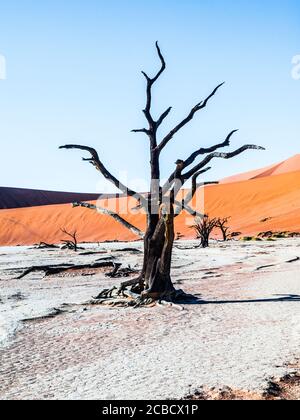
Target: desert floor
(244, 331)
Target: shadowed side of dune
(13, 198)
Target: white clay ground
(245, 330)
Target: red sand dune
(289, 165)
(276, 198)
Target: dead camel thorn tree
(70, 243)
(161, 206)
(204, 227)
(222, 224)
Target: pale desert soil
(245, 330)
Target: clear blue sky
(73, 75)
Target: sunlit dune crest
(289, 165)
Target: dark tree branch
(196, 108)
(206, 160)
(70, 244)
(141, 130)
(203, 151)
(150, 82)
(222, 224)
(114, 215)
(195, 186)
(163, 116)
(152, 130)
(96, 162)
(170, 181)
(204, 227)
(184, 206)
(185, 202)
(163, 66)
(194, 183)
(154, 197)
(211, 156)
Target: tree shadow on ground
(281, 298)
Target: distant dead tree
(204, 227)
(160, 204)
(222, 224)
(70, 243)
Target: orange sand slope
(289, 165)
(248, 203)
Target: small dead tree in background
(222, 224)
(204, 227)
(70, 243)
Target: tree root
(121, 272)
(116, 297)
(121, 297)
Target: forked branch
(96, 162)
(184, 206)
(222, 224)
(193, 156)
(163, 117)
(186, 201)
(204, 151)
(204, 228)
(211, 156)
(73, 243)
(150, 82)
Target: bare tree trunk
(205, 241)
(224, 234)
(158, 257)
(222, 224)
